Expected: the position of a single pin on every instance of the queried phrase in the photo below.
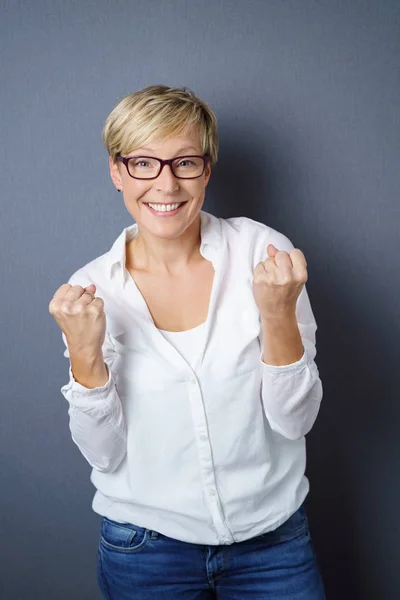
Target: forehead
(186, 142)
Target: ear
(115, 173)
(207, 174)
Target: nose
(166, 181)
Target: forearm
(282, 340)
(291, 387)
(100, 434)
(89, 369)
(97, 421)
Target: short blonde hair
(156, 112)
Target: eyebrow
(184, 149)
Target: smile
(165, 209)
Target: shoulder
(254, 236)
(95, 271)
(98, 270)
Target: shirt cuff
(296, 366)
(77, 390)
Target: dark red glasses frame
(169, 161)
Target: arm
(89, 370)
(291, 387)
(282, 340)
(97, 421)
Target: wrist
(89, 368)
(279, 317)
(85, 352)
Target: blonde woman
(192, 380)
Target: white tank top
(188, 343)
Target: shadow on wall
(238, 177)
(250, 179)
(348, 450)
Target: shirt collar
(211, 241)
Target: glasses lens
(188, 166)
(143, 167)
(147, 168)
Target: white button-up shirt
(210, 451)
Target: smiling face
(165, 190)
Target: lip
(165, 214)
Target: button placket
(205, 460)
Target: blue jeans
(136, 563)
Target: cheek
(196, 190)
(136, 190)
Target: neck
(164, 256)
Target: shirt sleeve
(96, 418)
(292, 394)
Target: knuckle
(54, 306)
(258, 274)
(62, 289)
(74, 291)
(65, 307)
(286, 279)
(302, 275)
(78, 308)
(96, 309)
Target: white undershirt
(188, 343)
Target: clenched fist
(81, 317)
(278, 281)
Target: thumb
(271, 250)
(90, 288)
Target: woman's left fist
(278, 281)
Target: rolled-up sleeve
(292, 394)
(96, 418)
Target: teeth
(165, 207)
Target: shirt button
(203, 437)
(212, 491)
(193, 381)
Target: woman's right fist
(80, 316)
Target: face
(166, 189)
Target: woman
(192, 376)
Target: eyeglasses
(148, 167)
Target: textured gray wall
(307, 98)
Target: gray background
(307, 98)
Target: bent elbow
(107, 464)
(294, 431)
(290, 434)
